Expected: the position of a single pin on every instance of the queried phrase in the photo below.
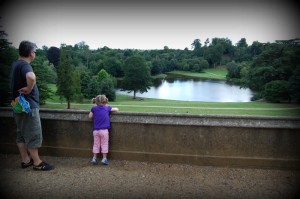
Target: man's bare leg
(23, 152)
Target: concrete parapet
(215, 140)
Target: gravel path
(77, 178)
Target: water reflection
(195, 90)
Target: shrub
(276, 91)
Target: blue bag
(20, 104)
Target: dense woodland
(272, 70)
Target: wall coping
(171, 119)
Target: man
(29, 129)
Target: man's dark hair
(26, 47)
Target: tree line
(270, 69)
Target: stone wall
(214, 140)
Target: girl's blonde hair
(100, 99)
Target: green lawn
(128, 104)
(212, 73)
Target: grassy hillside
(212, 73)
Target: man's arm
(31, 80)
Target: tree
(66, 85)
(45, 74)
(276, 62)
(78, 96)
(233, 70)
(206, 42)
(93, 88)
(85, 79)
(244, 73)
(4, 43)
(156, 67)
(137, 76)
(294, 85)
(227, 47)
(256, 48)
(8, 54)
(113, 67)
(276, 91)
(128, 53)
(106, 85)
(242, 43)
(197, 64)
(96, 66)
(107, 88)
(53, 54)
(242, 52)
(259, 76)
(214, 54)
(196, 46)
(102, 75)
(84, 52)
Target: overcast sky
(147, 24)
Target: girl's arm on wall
(114, 109)
(91, 115)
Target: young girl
(100, 115)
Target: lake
(193, 89)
